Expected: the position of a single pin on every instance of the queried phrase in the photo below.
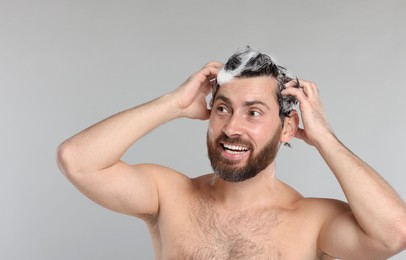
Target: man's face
(244, 128)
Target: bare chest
(208, 233)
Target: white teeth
(235, 152)
(235, 148)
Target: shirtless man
(241, 211)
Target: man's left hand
(314, 119)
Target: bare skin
(260, 218)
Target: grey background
(67, 64)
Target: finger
(295, 83)
(309, 88)
(214, 64)
(297, 93)
(210, 71)
(206, 75)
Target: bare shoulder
(171, 183)
(322, 210)
(162, 175)
(310, 205)
(324, 204)
(156, 169)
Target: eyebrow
(223, 98)
(255, 102)
(246, 103)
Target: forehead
(250, 89)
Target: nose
(234, 126)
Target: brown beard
(224, 168)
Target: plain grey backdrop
(67, 64)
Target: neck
(253, 191)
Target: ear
(290, 126)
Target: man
(241, 210)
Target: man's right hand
(91, 158)
(191, 95)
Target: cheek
(263, 133)
(215, 124)
(257, 129)
(210, 131)
(213, 129)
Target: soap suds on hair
(246, 63)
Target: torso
(230, 235)
(193, 225)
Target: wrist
(165, 108)
(326, 141)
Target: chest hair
(242, 234)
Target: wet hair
(248, 63)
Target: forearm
(104, 143)
(377, 207)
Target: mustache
(223, 138)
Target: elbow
(402, 237)
(65, 159)
(397, 242)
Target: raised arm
(374, 224)
(91, 158)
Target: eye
(254, 113)
(221, 109)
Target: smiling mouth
(235, 149)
